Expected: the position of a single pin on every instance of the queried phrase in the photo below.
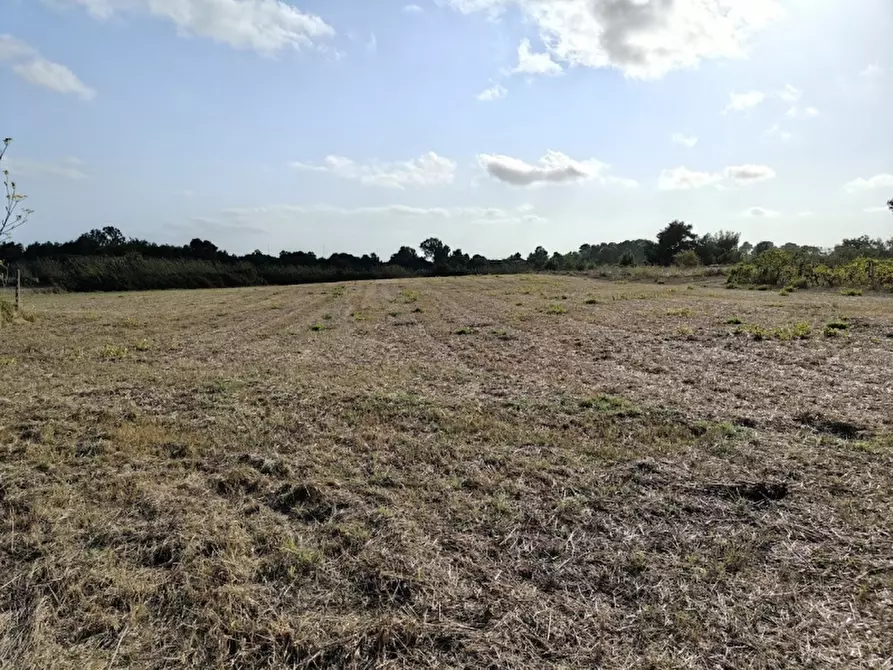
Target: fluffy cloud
(497, 92)
(796, 113)
(412, 9)
(553, 168)
(740, 102)
(683, 179)
(266, 26)
(642, 39)
(530, 62)
(426, 170)
(790, 94)
(685, 140)
(742, 175)
(875, 182)
(28, 64)
(762, 213)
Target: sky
(496, 125)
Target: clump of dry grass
(588, 492)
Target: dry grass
(200, 479)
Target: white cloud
(762, 212)
(28, 64)
(685, 140)
(683, 179)
(496, 92)
(553, 168)
(426, 170)
(266, 26)
(67, 168)
(790, 94)
(372, 43)
(875, 182)
(776, 131)
(796, 113)
(743, 175)
(740, 102)
(530, 62)
(871, 70)
(876, 210)
(53, 76)
(642, 39)
(412, 9)
(287, 213)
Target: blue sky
(497, 125)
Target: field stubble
(447, 472)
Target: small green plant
(113, 352)
(685, 331)
(684, 312)
(465, 330)
(361, 316)
(408, 296)
(785, 291)
(338, 291)
(592, 301)
(142, 345)
(800, 283)
(734, 321)
(556, 309)
(317, 327)
(502, 335)
(610, 404)
(851, 292)
(7, 361)
(838, 325)
(394, 314)
(763, 287)
(418, 310)
(799, 331)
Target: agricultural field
(493, 472)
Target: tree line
(104, 259)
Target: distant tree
(746, 249)
(627, 259)
(672, 240)
(538, 258)
(435, 251)
(763, 247)
(890, 205)
(408, 257)
(204, 249)
(13, 215)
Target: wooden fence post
(18, 290)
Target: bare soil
(495, 472)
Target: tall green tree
(674, 239)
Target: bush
(687, 259)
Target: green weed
(556, 309)
(465, 330)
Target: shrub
(687, 259)
(734, 321)
(800, 283)
(556, 309)
(465, 330)
(853, 292)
